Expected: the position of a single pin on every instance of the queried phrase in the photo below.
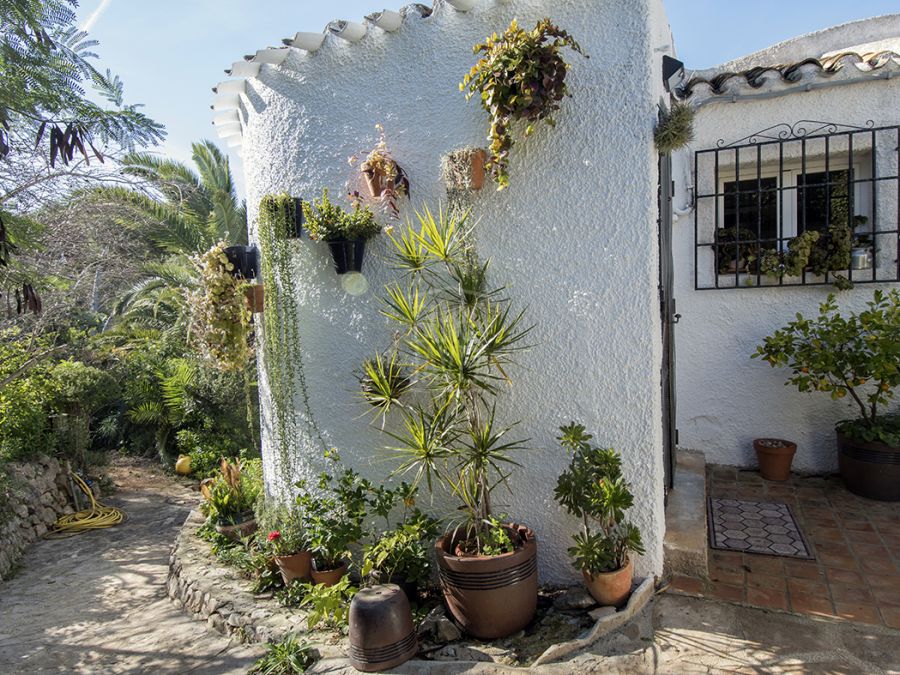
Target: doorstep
(685, 542)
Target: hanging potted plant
(229, 498)
(346, 233)
(521, 76)
(385, 180)
(594, 490)
(460, 338)
(851, 357)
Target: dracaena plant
(454, 340)
(521, 76)
(594, 490)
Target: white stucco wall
(725, 399)
(574, 237)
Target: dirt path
(96, 602)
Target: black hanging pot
(245, 260)
(295, 229)
(348, 254)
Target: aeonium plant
(594, 490)
(854, 357)
(520, 76)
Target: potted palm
(852, 357)
(594, 490)
(229, 498)
(346, 233)
(460, 338)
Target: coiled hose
(96, 517)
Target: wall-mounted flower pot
(297, 232)
(476, 179)
(490, 596)
(610, 589)
(348, 254)
(376, 180)
(327, 577)
(245, 260)
(870, 470)
(256, 298)
(296, 566)
(775, 456)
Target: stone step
(686, 541)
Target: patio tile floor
(856, 542)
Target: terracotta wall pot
(774, 456)
(376, 181)
(382, 634)
(327, 577)
(295, 566)
(347, 254)
(239, 530)
(477, 177)
(869, 470)
(490, 596)
(610, 588)
(256, 298)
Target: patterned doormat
(755, 527)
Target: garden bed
(567, 620)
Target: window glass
(823, 199)
(751, 203)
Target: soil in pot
(347, 254)
(870, 470)
(610, 589)
(327, 577)
(238, 531)
(775, 456)
(296, 566)
(490, 596)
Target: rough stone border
(217, 595)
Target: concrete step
(686, 539)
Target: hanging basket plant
(345, 232)
(385, 181)
(521, 76)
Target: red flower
(274, 535)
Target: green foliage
(288, 657)
(284, 529)
(794, 261)
(403, 551)
(383, 382)
(594, 490)
(833, 253)
(326, 221)
(675, 129)
(230, 496)
(734, 244)
(25, 400)
(458, 340)
(327, 604)
(249, 557)
(520, 76)
(857, 355)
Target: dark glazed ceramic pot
(871, 469)
(382, 634)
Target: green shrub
(287, 657)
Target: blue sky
(170, 53)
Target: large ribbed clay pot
(296, 566)
(774, 456)
(490, 596)
(870, 470)
(327, 577)
(382, 634)
(610, 589)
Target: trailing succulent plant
(520, 76)
(675, 128)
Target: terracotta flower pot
(775, 457)
(610, 588)
(256, 298)
(477, 177)
(382, 634)
(296, 566)
(239, 530)
(376, 181)
(490, 596)
(327, 577)
(871, 469)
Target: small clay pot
(376, 181)
(490, 596)
(610, 589)
(774, 456)
(327, 577)
(238, 531)
(476, 179)
(256, 298)
(382, 634)
(296, 566)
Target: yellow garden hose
(94, 518)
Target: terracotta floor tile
(834, 548)
(688, 584)
(846, 578)
(727, 559)
(863, 613)
(811, 604)
(883, 581)
(891, 616)
(727, 575)
(765, 581)
(727, 592)
(859, 537)
(849, 594)
(879, 566)
(833, 536)
(807, 586)
(847, 562)
(767, 597)
(858, 525)
(764, 564)
(803, 569)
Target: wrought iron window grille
(756, 196)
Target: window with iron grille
(809, 204)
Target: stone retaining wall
(40, 496)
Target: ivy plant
(521, 75)
(855, 356)
(594, 490)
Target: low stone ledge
(215, 594)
